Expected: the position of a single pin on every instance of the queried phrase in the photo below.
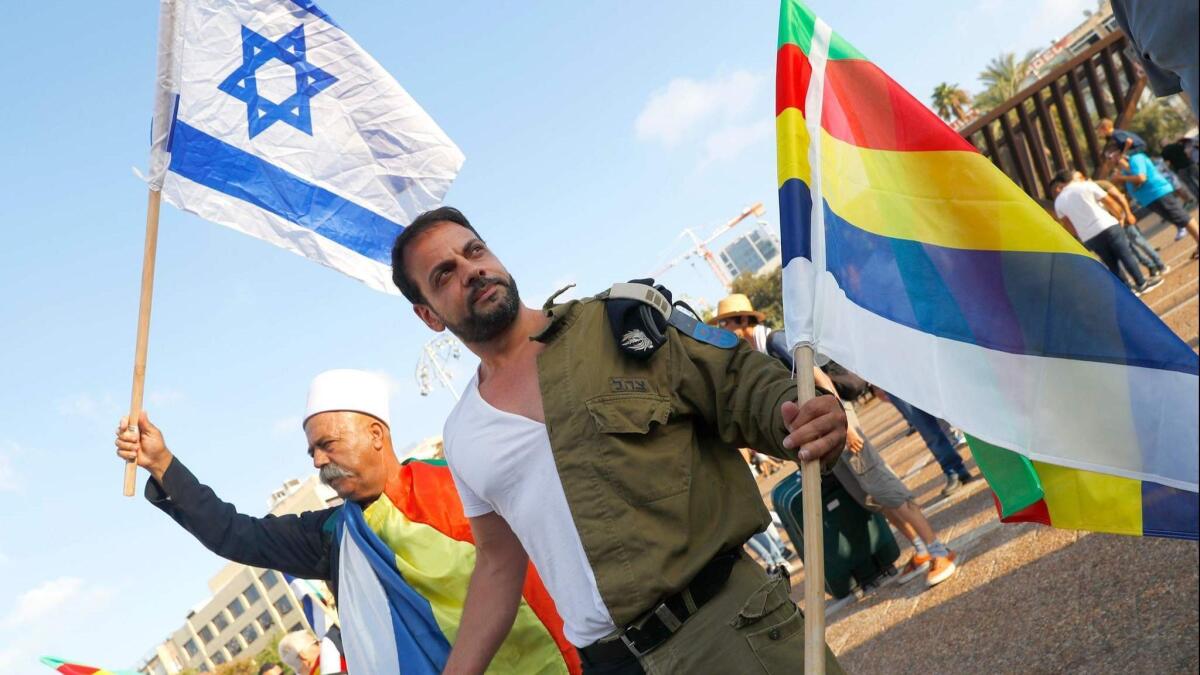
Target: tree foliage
(950, 101)
(1002, 79)
(1160, 122)
(766, 294)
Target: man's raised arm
(293, 544)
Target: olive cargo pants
(751, 626)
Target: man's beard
(331, 472)
(483, 326)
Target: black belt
(656, 626)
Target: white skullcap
(294, 644)
(346, 389)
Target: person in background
(1126, 141)
(938, 443)
(1139, 175)
(1146, 254)
(270, 668)
(1090, 215)
(303, 653)
(861, 470)
(1179, 159)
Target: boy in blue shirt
(1152, 190)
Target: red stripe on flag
(1036, 512)
(863, 106)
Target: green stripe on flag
(796, 22)
(1010, 475)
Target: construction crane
(700, 248)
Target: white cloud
(45, 598)
(10, 478)
(161, 398)
(44, 614)
(726, 143)
(686, 105)
(88, 406)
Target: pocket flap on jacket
(629, 413)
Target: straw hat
(736, 304)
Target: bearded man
(600, 439)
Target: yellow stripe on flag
(1086, 500)
(945, 198)
(439, 567)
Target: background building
(753, 252)
(247, 605)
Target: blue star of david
(294, 110)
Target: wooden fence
(1051, 124)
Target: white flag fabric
(271, 120)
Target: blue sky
(594, 132)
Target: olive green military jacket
(647, 451)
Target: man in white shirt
(606, 452)
(1091, 216)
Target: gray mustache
(331, 472)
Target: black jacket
(303, 546)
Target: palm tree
(950, 101)
(1002, 78)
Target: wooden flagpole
(143, 329)
(814, 532)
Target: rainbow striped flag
(67, 668)
(912, 260)
(405, 563)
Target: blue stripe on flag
(422, 646)
(215, 164)
(1058, 305)
(1169, 512)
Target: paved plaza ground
(1027, 598)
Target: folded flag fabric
(271, 120)
(76, 669)
(914, 261)
(405, 563)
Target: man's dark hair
(420, 224)
(267, 666)
(1062, 177)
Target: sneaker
(941, 569)
(1180, 233)
(1151, 283)
(1166, 269)
(919, 562)
(953, 483)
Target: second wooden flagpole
(143, 327)
(814, 532)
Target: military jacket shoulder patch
(689, 326)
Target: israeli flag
(271, 120)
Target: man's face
(1104, 129)
(465, 287)
(742, 326)
(348, 449)
(311, 655)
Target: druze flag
(271, 120)
(915, 262)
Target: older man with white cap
(347, 428)
(346, 423)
